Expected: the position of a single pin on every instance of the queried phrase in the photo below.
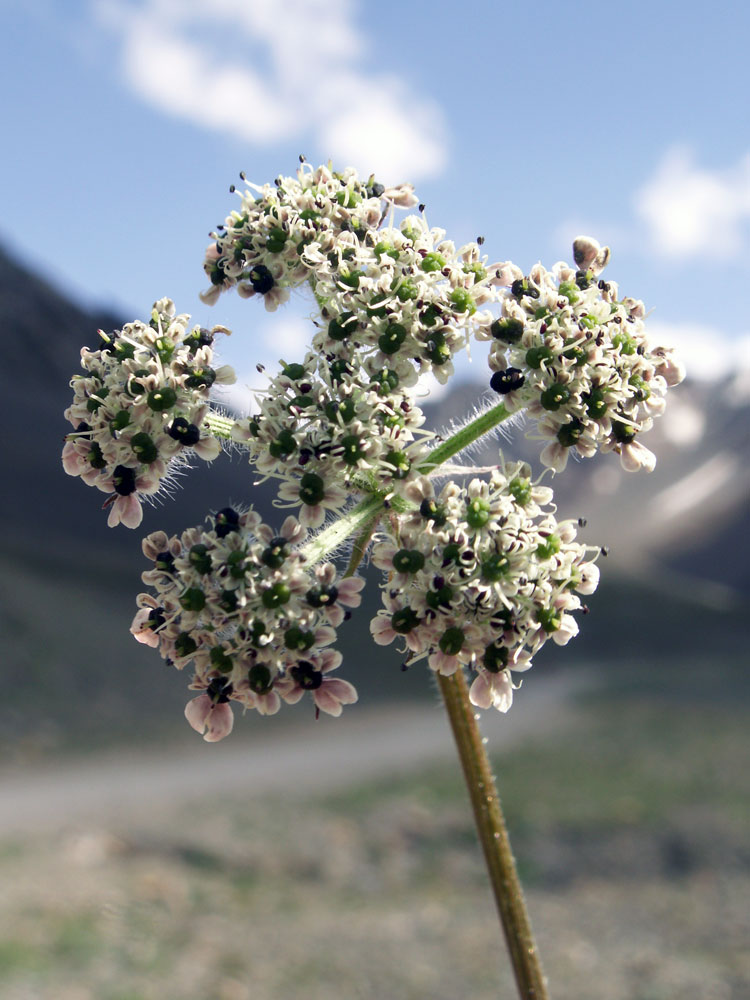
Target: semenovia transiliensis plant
(476, 577)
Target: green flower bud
(549, 618)
(495, 567)
(353, 449)
(193, 599)
(162, 399)
(432, 262)
(404, 621)
(536, 355)
(451, 641)
(463, 301)
(260, 678)
(283, 445)
(549, 547)
(509, 330)
(220, 660)
(408, 561)
(276, 240)
(495, 658)
(554, 396)
(521, 490)
(144, 448)
(312, 489)
(199, 559)
(569, 433)
(595, 403)
(276, 595)
(477, 512)
(343, 326)
(185, 644)
(400, 462)
(297, 638)
(394, 336)
(275, 553)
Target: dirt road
(308, 758)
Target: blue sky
(125, 121)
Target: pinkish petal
(207, 448)
(502, 691)
(554, 456)
(127, 511)
(268, 704)
(635, 456)
(349, 591)
(333, 694)
(141, 631)
(480, 693)
(382, 631)
(197, 711)
(219, 723)
(73, 462)
(345, 692)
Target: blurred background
(301, 859)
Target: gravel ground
(310, 904)
(630, 820)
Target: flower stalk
(493, 836)
(358, 518)
(464, 437)
(220, 427)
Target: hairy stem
(493, 837)
(372, 505)
(361, 542)
(354, 520)
(467, 435)
(219, 426)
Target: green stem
(356, 519)
(371, 507)
(494, 839)
(464, 437)
(361, 542)
(488, 816)
(219, 426)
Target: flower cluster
(574, 356)
(477, 577)
(238, 601)
(403, 297)
(481, 577)
(263, 247)
(140, 408)
(393, 303)
(328, 429)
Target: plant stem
(356, 519)
(494, 839)
(362, 520)
(464, 437)
(219, 426)
(372, 505)
(361, 542)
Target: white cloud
(267, 71)
(706, 352)
(694, 212)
